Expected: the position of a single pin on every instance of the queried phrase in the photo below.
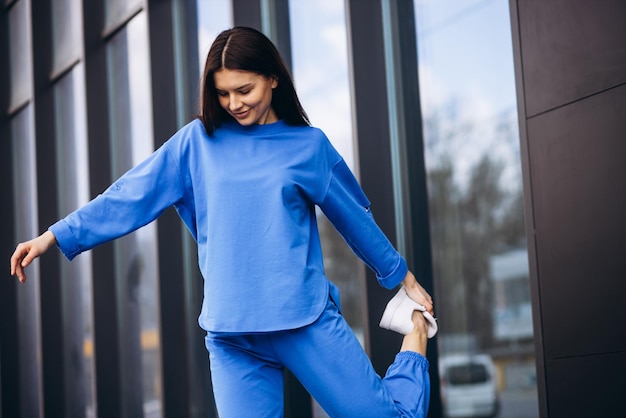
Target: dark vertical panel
(202, 402)
(281, 31)
(576, 389)
(577, 158)
(106, 326)
(372, 130)
(571, 49)
(62, 366)
(9, 350)
(569, 68)
(418, 245)
(20, 368)
(247, 13)
(186, 384)
(127, 255)
(529, 212)
(174, 340)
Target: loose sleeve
(134, 200)
(348, 209)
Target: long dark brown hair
(243, 48)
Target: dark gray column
(391, 156)
(110, 386)
(61, 331)
(187, 390)
(271, 17)
(372, 127)
(571, 85)
(9, 345)
(20, 341)
(412, 170)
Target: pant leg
(329, 361)
(408, 381)
(247, 379)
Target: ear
(274, 82)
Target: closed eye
(244, 91)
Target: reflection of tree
(446, 248)
(472, 217)
(478, 230)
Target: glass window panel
(319, 48)
(131, 142)
(26, 227)
(20, 55)
(66, 33)
(319, 44)
(214, 16)
(480, 261)
(73, 192)
(25, 175)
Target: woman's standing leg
(329, 361)
(247, 379)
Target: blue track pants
(326, 357)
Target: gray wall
(570, 59)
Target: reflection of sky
(465, 49)
(467, 82)
(465, 56)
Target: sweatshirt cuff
(396, 276)
(65, 239)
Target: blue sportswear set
(248, 195)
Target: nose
(234, 102)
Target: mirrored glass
(480, 261)
(130, 110)
(320, 71)
(117, 12)
(319, 54)
(214, 16)
(66, 34)
(73, 192)
(26, 226)
(20, 55)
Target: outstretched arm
(26, 252)
(347, 207)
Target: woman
(245, 178)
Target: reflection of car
(468, 385)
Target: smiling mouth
(241, 115)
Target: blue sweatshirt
(248, 197)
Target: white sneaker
(398, 315)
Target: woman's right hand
(26, 252)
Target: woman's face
(246, 96)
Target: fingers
(21, 258)
(20, 274)
(430, 308)
(428, 305)
(419, 295)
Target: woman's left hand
(418, 293)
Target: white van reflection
(468, 385)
